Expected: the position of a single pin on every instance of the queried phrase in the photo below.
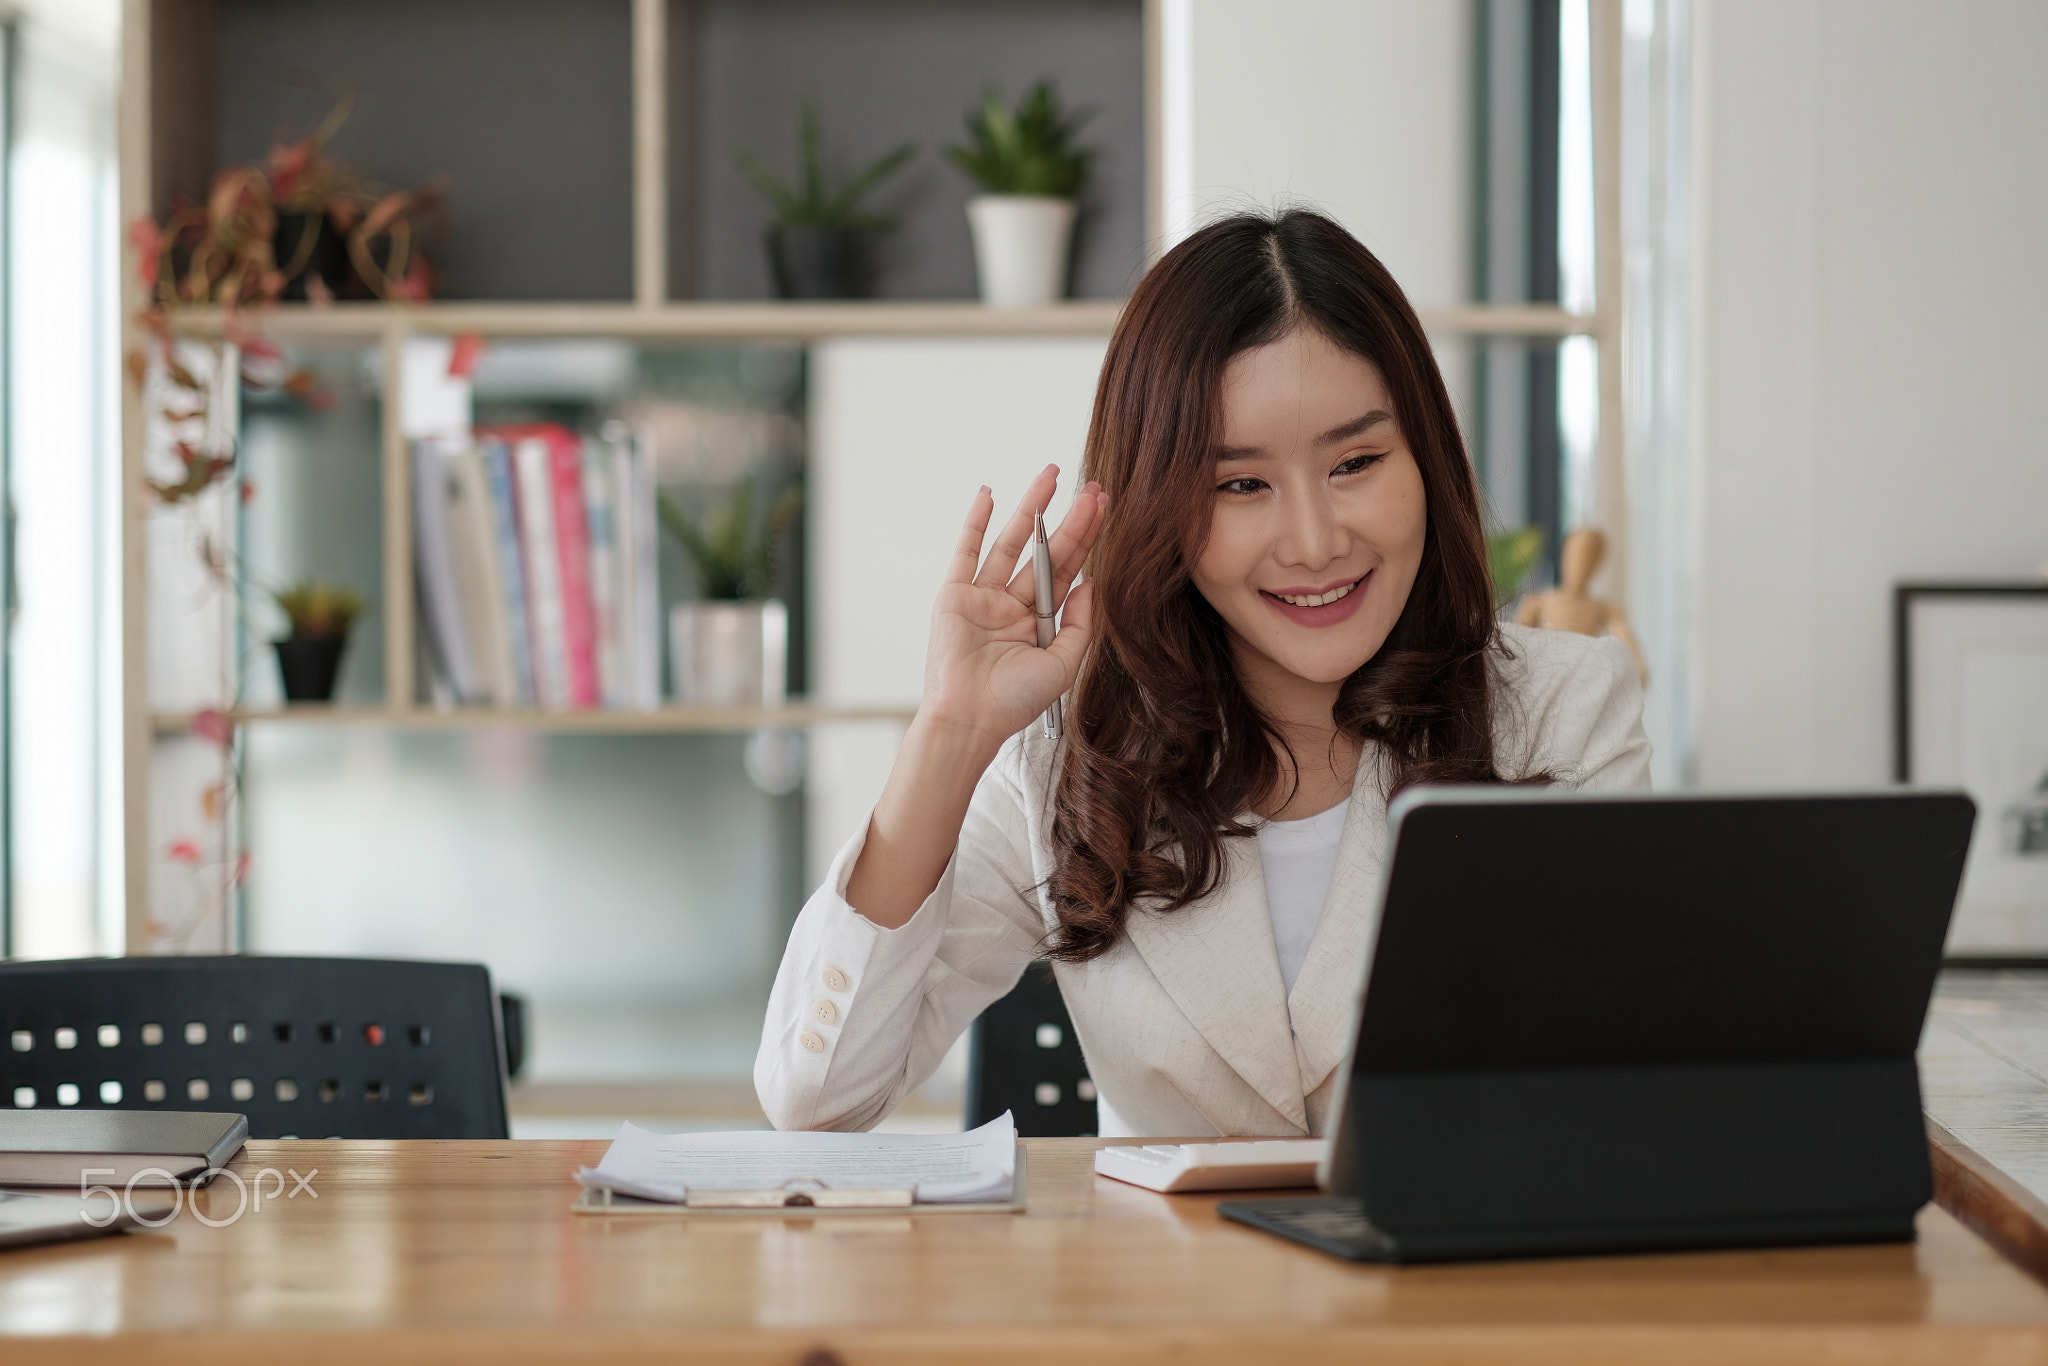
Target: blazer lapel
(1217, 962)
(1332, 978)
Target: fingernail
(985, 489)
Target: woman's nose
(1309, 532)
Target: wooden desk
(417, 1252)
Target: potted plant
(1510, 555)
(320, 615)
(819, 241)
(731, 647)
(1031, 174)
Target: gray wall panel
(526, 104)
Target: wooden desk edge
(1031, 1344)
(1988, 1202)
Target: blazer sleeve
(1581, 711)
(860, 1015)
(1616, 750)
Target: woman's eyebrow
(1355, 427)
(1342, 432)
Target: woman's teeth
(1331, 596)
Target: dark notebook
(150, 1148)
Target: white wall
(63, 433)
(1871, 278)
(902, 433)
(1362, 108)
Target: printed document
(967, 1168)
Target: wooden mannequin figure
(1567, 608)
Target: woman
(1288, 619)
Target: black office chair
(305, 1047)
(1022, 1056)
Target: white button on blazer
(1185, 1023)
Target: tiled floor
(1984, 1068)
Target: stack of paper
(968, 1168)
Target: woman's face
(1319, 516)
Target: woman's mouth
(1325, 608)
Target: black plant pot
(309, 664)
(820, 263)
(326, 259)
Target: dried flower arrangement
(298, 226)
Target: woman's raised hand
(985, 679)
(985, 674)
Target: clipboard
(777, 1202)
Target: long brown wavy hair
(1165, 749)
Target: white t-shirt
(1298, 857)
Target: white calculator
(1265, 1164)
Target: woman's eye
(1244, 485)
(1359, 463)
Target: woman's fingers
(967, 551)
(1077, 621)
(1016, 534)
(1078, 530)
(1069, 546)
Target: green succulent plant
(1028, 150)
(809, 204)
(732, 550)
(1510, 555)
(318, 611)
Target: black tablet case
(1623, 1024)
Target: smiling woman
(1272, 425)
(1288, 619)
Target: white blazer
(1185, 1023)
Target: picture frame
(1970, 693)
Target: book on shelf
(480, 596)
(601, 517)
(534, 485)
(572, 553)
(434, 567)
(637, 607)
(536, 567)
(497, 462)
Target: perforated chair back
(1023, 1057)
(305, 1047)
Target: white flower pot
(730, 654)
(1020, 247)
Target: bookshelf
(167, 138)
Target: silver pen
(1041, 590)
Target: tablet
(1597, 1022)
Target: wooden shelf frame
(790, 321)
(596, 721)
(730, 321)
(157, 35)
